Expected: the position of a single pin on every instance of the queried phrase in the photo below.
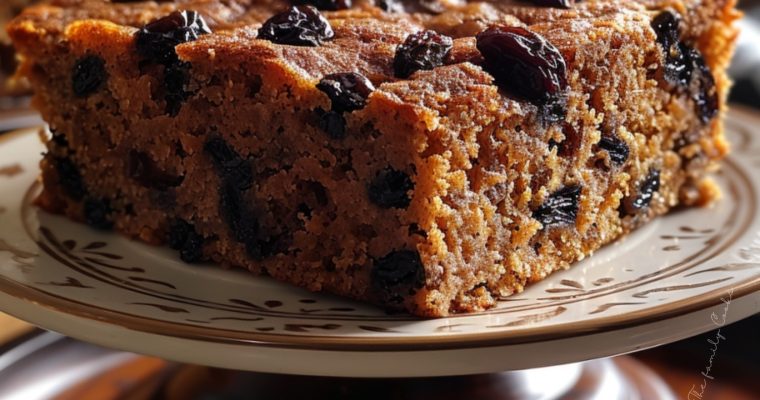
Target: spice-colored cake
(423, 155)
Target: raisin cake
(429, 156)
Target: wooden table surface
(11, 328)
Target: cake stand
(55, 367)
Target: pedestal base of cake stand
(67, 369)
(609, 379)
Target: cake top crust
(456, 18)
(370, 37)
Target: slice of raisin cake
(430, 156)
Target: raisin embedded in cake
(429, 156)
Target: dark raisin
(328, 5)
(390, 189)
(398, 274)
(163, 199)
(179, 231)
(238, 215)
(525, 64)
(255, 249)
(415, 229)
(560, 208)
(328, 264)
(183, 237)
(685, 67)
(348, 91)
(685, 139)
(70, 178)
(144, 170)
(333, 123)
(176, 77)
(423, 50)
(231, 166)
(59, 139)
(702, 88)
(391, 6)
(237, 176)
(298, 26)
(304, 210)
(263, 248)
(570, 145)
(635, 204)
(157, 40)
(314, 192)
(88, 75)
(554, 3)
(192, 250)
(97, 213)
(666, 26)
(616, 148)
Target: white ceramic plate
(681, 275)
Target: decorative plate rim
(371, 344)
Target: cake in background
(8, 86)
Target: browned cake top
(448, 14)
(365, 35)
(365, 38)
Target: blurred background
(746, 66)
(32, 358)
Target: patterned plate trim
(95, 263)
(376, 343)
